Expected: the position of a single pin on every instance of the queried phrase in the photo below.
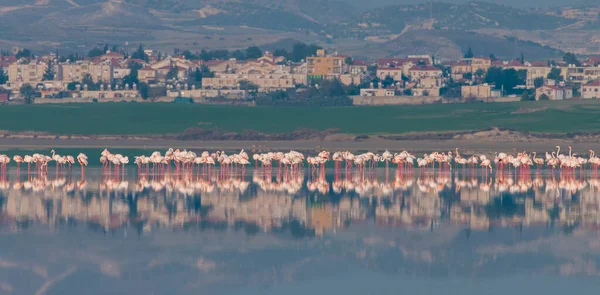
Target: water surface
(423, 232)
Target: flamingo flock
(185, 161)
(41, 162)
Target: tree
(49, 73)
(387, 81)
(144, 90)
(133, 74)
(253, 52)
(3, 76)
(468, 76)
(94, 52)
(349, 60)
(300, 51)
(407, 92)
(571, 59)
(249, 87)
(172, 74)
(72, 85)
(538, 82)
(479, 73)
(469, 53)
(527, 96)
(23, 53)
(493, 57)
(89, 81)
(281, 52)
(522, 58)
(544, 97)
(238, 55)
(555, 74)
(27, 92)
(140, 54)
(504, 79)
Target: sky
(515, 3)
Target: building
(378, 92)
(76, 71)
(26, 73)
(324, 66)
(112, 55)
(358, 68)
(480, 63)
(264, 82)
(534, 72)
(478, 91)
(395, 73)
(554, 92)
(591, 90)
(417, 73)
(458, 70)
(146, 74)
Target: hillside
(453, 44)
(441, 28)
(444, 16)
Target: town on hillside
(307, 73)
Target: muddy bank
(492, 139)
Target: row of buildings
(417, 75)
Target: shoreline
(372, 144)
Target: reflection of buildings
(268, 202)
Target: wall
(391, 100)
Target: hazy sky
(516, 3)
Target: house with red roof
(554, 92)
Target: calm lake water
(296, 233)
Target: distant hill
(453, 44)
(444, 28)
(444, 16)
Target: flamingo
(18, 160)
(83, 162)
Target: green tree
(238, 55)
(493, 57)
(94, 52)
(3, 76)
(407, 92)
(133, 74)
(544, 97)
(253, 52)
(140, 54)
(28, 93)
(249, 87)
(387, 81)
(522, 58)
(527, 96)
(24, 53)
(504, 79)
(172, 74)
(349, 60)
(89, 81)
(144, 90)
(300, 51)
(479, 73)
(538, 82)
(555, 74)
(49, 73)
(72, 85)
(281, 52)
(469, 53)
(571, 59)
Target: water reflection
(315, 205)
